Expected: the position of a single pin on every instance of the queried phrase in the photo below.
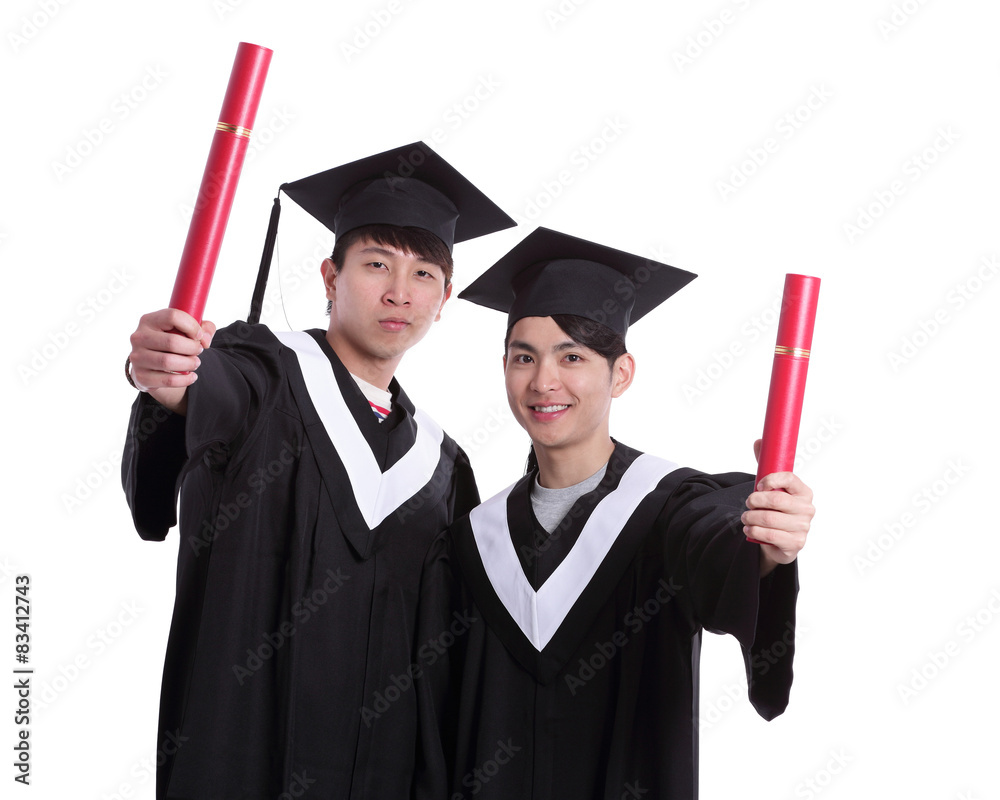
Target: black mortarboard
(410, 186)
(554, 273)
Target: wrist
(128, 374)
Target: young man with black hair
(592, 578)
(310, 488)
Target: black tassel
(257, 301)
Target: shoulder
(696, 483)
(243, 343)
(698, 498)
(241, 334)
(678, 485)
(457, 457)
(258, 349)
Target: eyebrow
(382, 251)
(517, 344)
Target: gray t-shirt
(551, 505)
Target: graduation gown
(575, 674)
(303, 523)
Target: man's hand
(164, 357)
(778, 519)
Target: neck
(559, 468)
(376, 371)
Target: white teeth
(548, 409)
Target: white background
(645, 126)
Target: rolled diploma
(788, 375)
(218, 183)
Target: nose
(398, 291)
(546, 376)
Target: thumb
(208, 333)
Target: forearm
(767, 562)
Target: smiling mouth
(548, 409)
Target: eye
(522, 358)
(422, 273)
(376, 264)
(573, 358)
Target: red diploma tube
(218, 184)
(788, 375)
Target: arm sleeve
(234, 387)
(151, 465)
(727, 595)
(464, 492)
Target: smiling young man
(591, 579)
(310, 488)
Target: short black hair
(421, 243)
(588, 333)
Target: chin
(544, 438)
(391, 346)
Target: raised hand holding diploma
(167, 343)
(165, 355)
(779, 515)
(781, 508)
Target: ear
(622, 374)
(447, 294)
(329, 273)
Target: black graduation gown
(303, 522)
(574, 673)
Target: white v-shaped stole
(539, 614)
(378, 493)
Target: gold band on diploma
(235, 129)
(798, 352)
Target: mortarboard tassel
(257, 301)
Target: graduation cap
(409, 186)
(554, 273)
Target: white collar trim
(539, 614)
(377, 493)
